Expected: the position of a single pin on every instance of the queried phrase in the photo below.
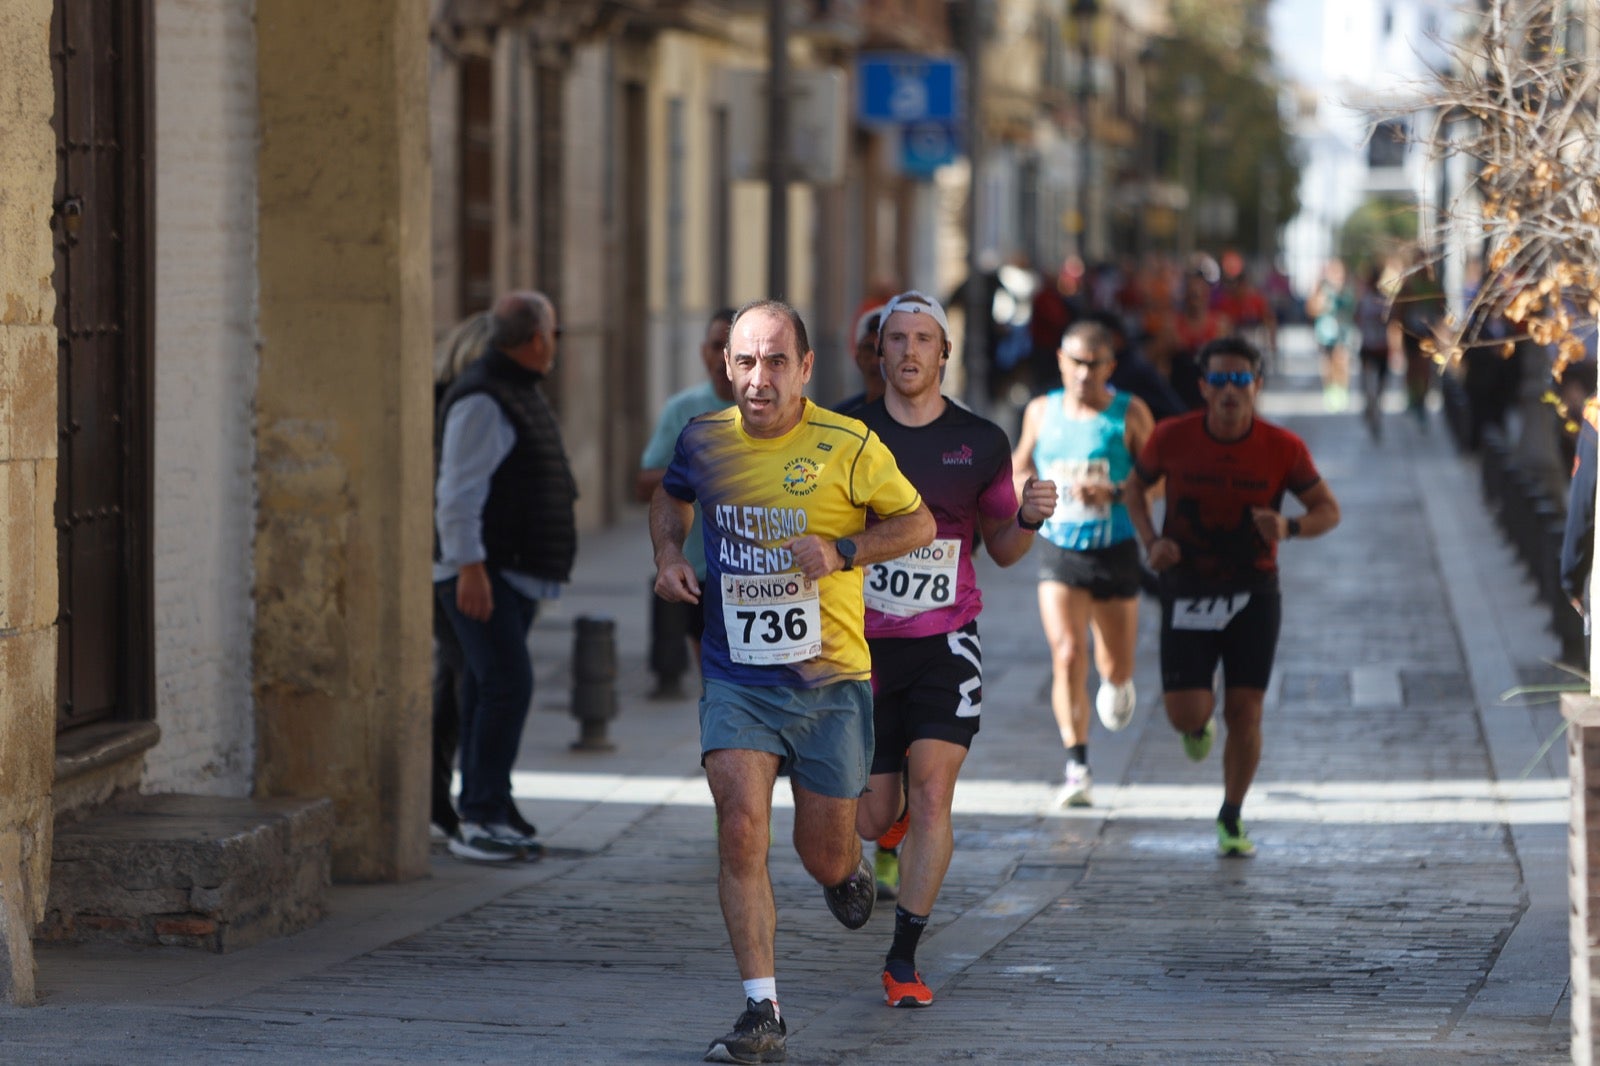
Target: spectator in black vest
(506, 540)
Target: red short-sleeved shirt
(1244, 307)
(1211, 487)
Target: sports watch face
(847, 548)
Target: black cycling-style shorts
(924, 688)
(1245, 644)
(1105, 573)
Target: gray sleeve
(477, 439)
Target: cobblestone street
(1407, 905)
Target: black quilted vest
(528, 522)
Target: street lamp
(1084, 13)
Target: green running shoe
(886, 870)
(1198, 745)
(1236, 843)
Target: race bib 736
(771, 618)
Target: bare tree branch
(1523, 111)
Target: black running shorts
(924, 688)
(1106, 573)
(1246, 643)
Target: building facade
(216, 422)
(215, 416)
(230, 245)
(1361, 72)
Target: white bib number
(771, 619)
(920, 580)
(1067, 473)
(1210, 613)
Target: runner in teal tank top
(1076, 450)
(1083, 437)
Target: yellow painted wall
(688, 66)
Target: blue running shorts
(822, 735)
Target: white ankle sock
(760, 988)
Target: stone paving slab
(1407, 905)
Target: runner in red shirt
(1226, 473)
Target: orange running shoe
(896, 833)
(912, 993)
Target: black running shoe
(758, 1036)
(852, 901)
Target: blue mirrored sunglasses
(1218, 378)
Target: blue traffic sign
(898, 87)
(927, 146)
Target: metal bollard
(669, 645)
(594, 682)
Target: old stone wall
(344, 423)
(28, 589)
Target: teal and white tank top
(1071, 450)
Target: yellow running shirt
(765, 623)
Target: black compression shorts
(925, 688)
(1245, 645)
(1106, 573)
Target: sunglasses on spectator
(1218, 378)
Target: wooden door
(102, 279)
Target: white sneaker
(1116, 704)
(1075, 790)
(511, 835)
(479, 843)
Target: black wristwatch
(1031, 527)
(1294, 528)
(847, 550)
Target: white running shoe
(1076, 788)
(479, 843)
(1116, 704)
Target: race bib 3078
(920, 580)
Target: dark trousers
(1492, 382)
(448, 671)
(496, 691)
(1419, 374)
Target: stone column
(28, 581)
(1583, 867)
(344, 423)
